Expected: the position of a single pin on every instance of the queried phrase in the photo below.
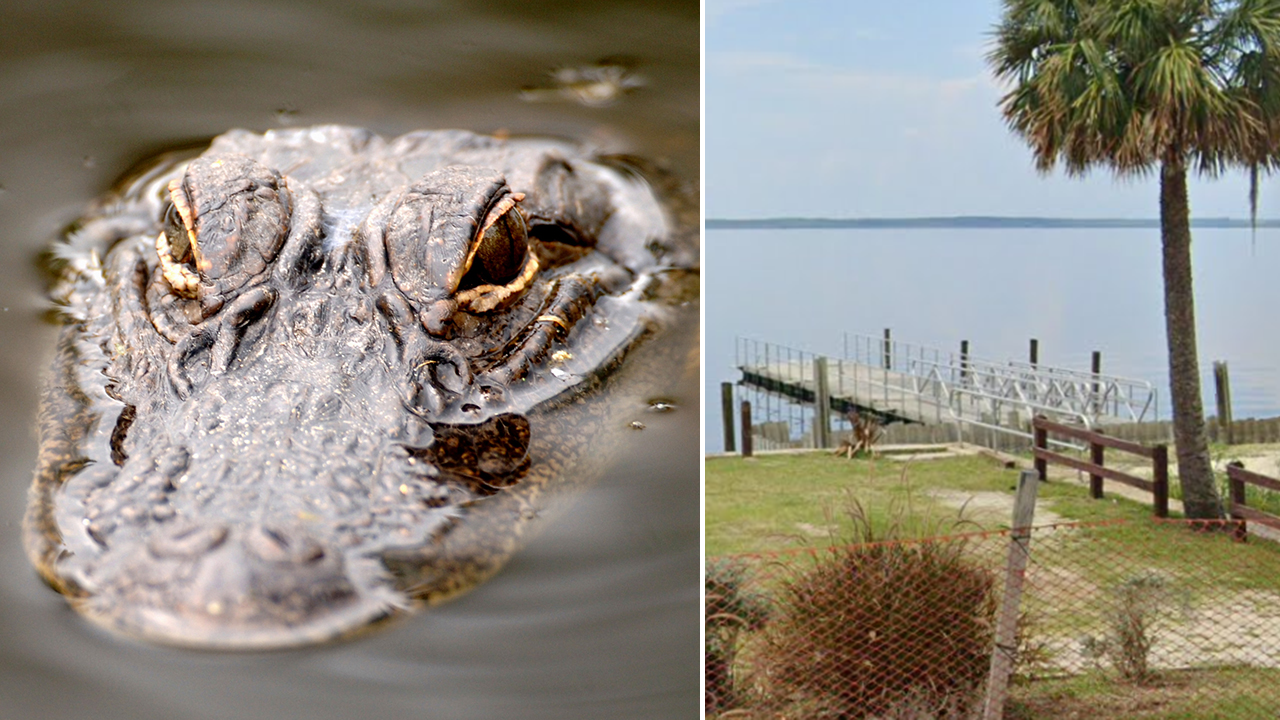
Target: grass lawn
(773, 502)
(1190, 695)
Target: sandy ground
(1238, 631)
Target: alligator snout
(252, 584)
(267, 573)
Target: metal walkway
(903, 382)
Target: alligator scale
(313, 378)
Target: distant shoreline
(970, 222)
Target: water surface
(1075, 291)
(599, 617)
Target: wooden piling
(726, 410)
(822, 404)
(964, 360)
(747, 449)
(1222, 387)
(1095, 367)
(1034, 352)
(887, 348)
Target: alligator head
(311, 378)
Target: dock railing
(1094, 397)
(903, 382)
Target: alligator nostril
(277, 545)
(185, 541)
(276, 537)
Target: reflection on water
(1075, 291)
(592, 85)
(598, 618)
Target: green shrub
(885, 629)
(1138, 611)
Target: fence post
(1040, 440)
(726, 410)
(1160, 479)
(747, 440)
(1236, 490)
(1006, 641)
(1097, 458)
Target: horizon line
(977, 221)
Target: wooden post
(1041, 440)
(1034, 353)
(1095, 481)
(1004, 653)
(1236, 489)
(887, 350)
(726, 409)
(1095, 366)
(821, 404)
(1222, 384)
(1160, 479)
(964, 361)
(747, 440)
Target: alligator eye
(176, 233)
(176, 251)
(501, 250)
(457, 234)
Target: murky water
(599, 616)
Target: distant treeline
(976, 222)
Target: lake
(599, 617)
(1074, 290)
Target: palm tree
(1143, 86)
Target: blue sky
(852, 108)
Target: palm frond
(1126, 83)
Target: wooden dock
(910, 384)
(852, 388)
(889, 395)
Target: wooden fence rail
(1158, 486)
(1237, 479)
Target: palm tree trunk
(1199, 491)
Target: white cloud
(716, 9)
(836, 141)
(766, 67)
(743, 61)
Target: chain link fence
(1122, 619)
